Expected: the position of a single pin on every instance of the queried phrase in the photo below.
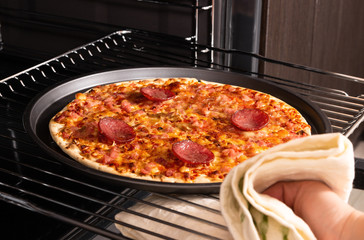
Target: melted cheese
(200, 112)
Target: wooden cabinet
(324, 34)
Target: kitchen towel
(250, 215)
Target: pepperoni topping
(116, 130)
(250, 119)
(157, 94)
(192, 152)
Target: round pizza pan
(45, 105)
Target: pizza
(179, 130)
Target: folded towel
(250, 215)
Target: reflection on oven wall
(51, 29)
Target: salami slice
(250, 119)
(116, 130)
(192, 152)
(157, 94)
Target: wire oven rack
(33, 180)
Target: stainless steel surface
(236, 25)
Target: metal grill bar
(35, 181)
(82, 197)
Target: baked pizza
(173, 129)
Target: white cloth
(250, 215)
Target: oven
(43, 44)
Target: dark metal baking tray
(45, 105)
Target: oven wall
(45, 28)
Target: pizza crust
(74, 152)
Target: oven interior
(44, 199)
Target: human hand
(328, 216)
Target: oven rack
(33, 180)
